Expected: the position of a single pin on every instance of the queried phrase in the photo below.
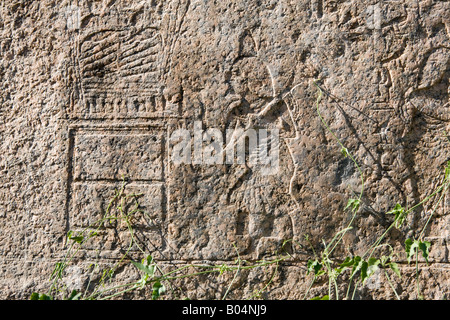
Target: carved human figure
(262, 216)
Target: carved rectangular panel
(120, 58)
(111, 155)
(92, 201)
(117, 105)
(105, 161)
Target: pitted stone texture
(113, 155)
(92, 90)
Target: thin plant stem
(434, 210)
(349, 286)
(354, 290)
(319, 98)
(119, 293)
(309, 288)
(417, 275)
(268, 283)
(235, 275)
(390, 283)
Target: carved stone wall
(92, 90)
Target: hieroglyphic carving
(104, 160)
(120, 54)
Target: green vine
(152, 274)
(358, 268)
(363, 267)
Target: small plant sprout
(399, 215)
(342, 277)
(362, 267)
(122, 208)
(353, 204)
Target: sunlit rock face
(100, 96)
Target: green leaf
(372, 266)
(353, 204)
(394, 267)
(222, 269)
(364, 274)
(344, 152)
(315, 267)
(144, 280)
(321, 298)
(425, 248)
(348, 262)
(74, 295)
(150, 270)
(447, 170)
(149, 260)
(158, 290)
(384, 260)
(34, 296)
(367, 268)
(37, 296)
(58, 270)
(357, 265)
(77, 239)
(412, 248)
(400, 214)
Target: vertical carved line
(69, 177)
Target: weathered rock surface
(91, 90)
